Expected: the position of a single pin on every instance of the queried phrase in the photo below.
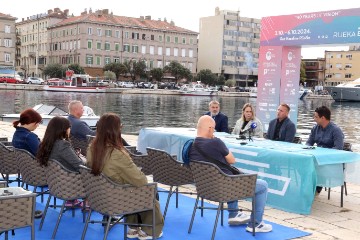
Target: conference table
(292, 171)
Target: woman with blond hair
(107, 155)
(248, 123)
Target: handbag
(218, 163)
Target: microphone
(251, 130)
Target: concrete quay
(327, 221)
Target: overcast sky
(185, 13)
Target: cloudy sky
(185, 13)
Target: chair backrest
(79, 143)
(347, 146)
(30, 169)
(8, 163)
(142, 161)
(2, 184)
(297, 140)
(109, 198)
(167, 170)
(64, 183)
(212, 184)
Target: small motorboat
(197, 90)
(48, 111)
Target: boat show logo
(290, 56)
(268, 56)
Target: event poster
(316, 28)
(290, 79)
(268, 95)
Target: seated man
(281, 128)
(221, 119)
(325, 133)
(216, 148)
(79, 128)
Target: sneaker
(240, 218)
(143, 236)
(133, 233)
(262, 227)
(38, 214)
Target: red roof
(123, 21)
(2, 15)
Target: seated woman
(107, 155)
(243, 125)
(56, 145)
(24, 138)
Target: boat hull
(350, 94)
(75, 89)
(199, 93)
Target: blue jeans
(261, 190)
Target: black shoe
(318, 189)
(38, 214)
(113, 220)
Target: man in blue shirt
(325, 133)
(79, 128)
(221, 119)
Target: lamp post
(37, 48)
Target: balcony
(32, 54)
(18, 43)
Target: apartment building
(7, 40)
(97, 38)
(229, 45)
(315, 71)
(32, 41)
(341, 66)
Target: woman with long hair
(24, 138)
(248, 123)
(56, 145)
(107, 155)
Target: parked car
(126, 85)
(145, 85)
(9, 80)
(168, 85)
(34, 80)
(104, 82)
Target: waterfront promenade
(327, 220)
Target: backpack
(186, 150)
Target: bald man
(216, 148)
(79, 128)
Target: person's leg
(261, 190)
(233, 205)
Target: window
(98, 31)
(116, 59)
(126, 48)
(126, 35)
(176, 40)
(160, 38)
(191, 53)
(89, 31)
(159, 64)
(152, 50)
(143, 36)
(183, 40)
(135, 35)
(191, 41)
(176, 52)
(89, 44)
(7, 29)
(117, 34)
(98, 45)
(107, 46)
(152, 37)
(348, 75)
(168, 39)
(117, 46)
(135, 48)
(7, 57)
(159, 50)
(143, 49)
(98, 60)
(108, 33)
(107, 60)
(167, 51)
(190, 66)
(183, 52)
(151, 64)
(7, 42)
(339, 55)
(89, 59)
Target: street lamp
(37, 48)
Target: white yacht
(349, 91)
(197, 89)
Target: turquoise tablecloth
(291, 171)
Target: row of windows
(235, 33)
(239, 64)
(338, 75)
(6, 43)
(242, 24)
(339, 55)
(240, 54)
(232, 43)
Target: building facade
(229, 45)
(7, 40)
(95, 39)
(315, 71)
(32, 41)
(341, 66)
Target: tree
(206, 77)
(230, 83)
(55, 70)
(117, 68)
(76, 68)
(178, 71)
(302, 72)
(110, 75)
(135, 68)
(157, 74)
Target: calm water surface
(140, 110)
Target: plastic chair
(214, 185)
(8, 163)
(63, 184)
(17, 208)
(111, 199)
(347, 147)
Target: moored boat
(197, 90)
(349, 91)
